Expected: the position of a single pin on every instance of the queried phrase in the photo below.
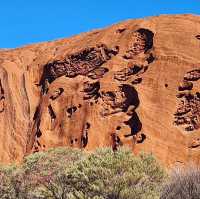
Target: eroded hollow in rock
(36, 145)
(150, 58)
(188, 110)
(123, 74)
(84, 137)
(188, 113)
(51, 112)
(37, 112)
(140, 138)
(2, 98)
(80, 63)
(135, 124)
(1, 90)
(118, 128)
(131, 96)
(38, 133)
(148, 36)
(137, 81)
(116, 142)
(120, 30)
(74, 141)
(185, 85)
(195, 143)
(120, 100)
(128, 72)
(71, 110)
(193, 75)
(91, 90)
(142, 42)
(198, 37)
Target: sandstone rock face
(136, 84)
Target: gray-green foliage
(53, 160)
(183, 184)
(65, 173)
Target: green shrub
(109, 175)
(53, 160)
(66, 173)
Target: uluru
(135, 83)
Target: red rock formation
(135, 83)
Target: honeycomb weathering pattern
(108, 102)
(80, 63)
(133, 84)
(188, 112)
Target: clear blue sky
(28, 21)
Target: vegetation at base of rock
(65, 173)
(183, 184)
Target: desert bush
(24, 181)
(66, 173)
(109, 175)
(53, 160)
(11, 184)
(183, 184)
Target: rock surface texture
(136, 83)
